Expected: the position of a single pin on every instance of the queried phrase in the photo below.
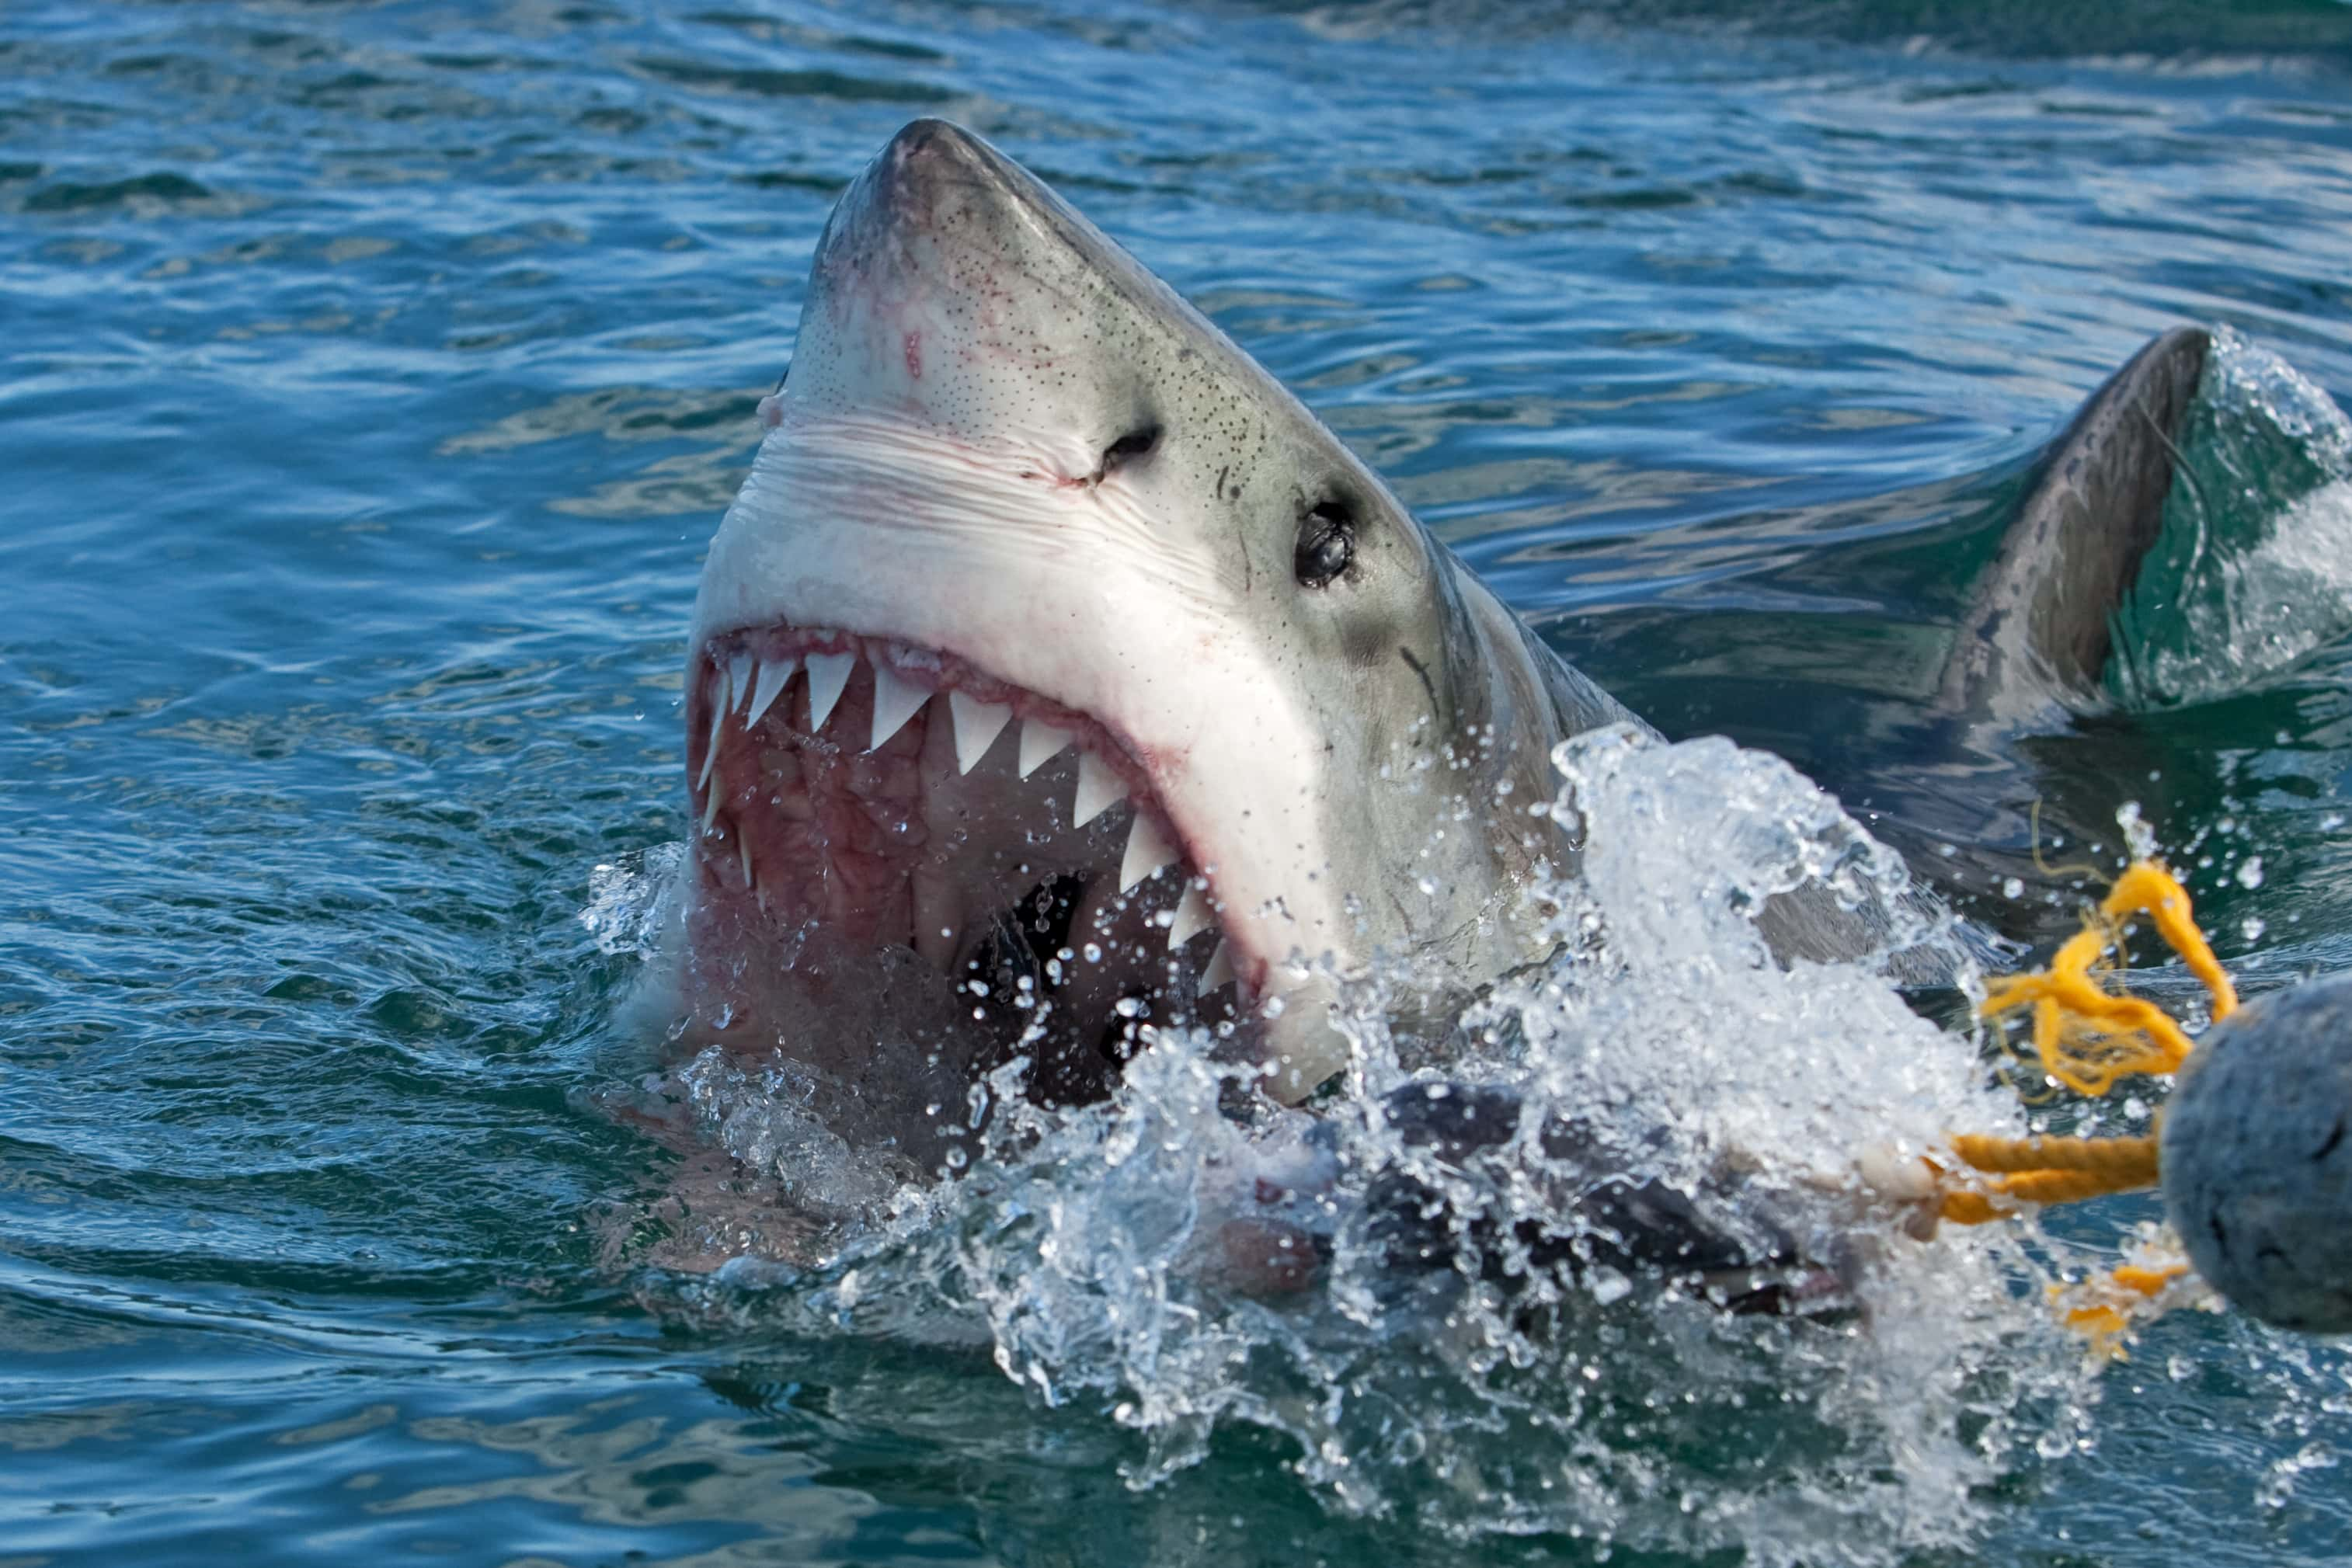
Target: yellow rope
(2102, 1308)
(2147, 1282)
(2087, 1039)
(2072, 1187)
(2126, 1157)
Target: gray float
(2257, 1156)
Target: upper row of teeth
(755, 684)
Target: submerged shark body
(1056, 676)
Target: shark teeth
(1148, 851)
(896, 700)
(1040, 744)
(1100, 789)
(1191, 917)
(768, 687)
(742, 682)
(977, 726)
(828, 674)
(717, 725)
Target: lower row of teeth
(753, 686)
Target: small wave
(2163, 30)
(2252, 569)
(153, 192)
(762, 82)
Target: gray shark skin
(2040, 629)
(1057, 674)
(1027, 534)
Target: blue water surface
(372, 376)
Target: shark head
(1056, 675)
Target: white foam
(1092, 1249)
(2253, 573)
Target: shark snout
(953, 294)
(930, 156)
(937, 208)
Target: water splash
(1470, 1340)
(763, 1114)
(2252, 569)
(632, 902)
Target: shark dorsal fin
(2040, 623)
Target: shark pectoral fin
(2043, 610)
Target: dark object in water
(2256, 1156)
(1599, 1222)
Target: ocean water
(371, 379)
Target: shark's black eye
(1326, 543)
(1135, 444)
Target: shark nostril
(1137, 443)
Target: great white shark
(1056, 675)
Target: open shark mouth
(858, 799)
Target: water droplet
(2250, 872)
(2012, 887)
(2140, 839)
